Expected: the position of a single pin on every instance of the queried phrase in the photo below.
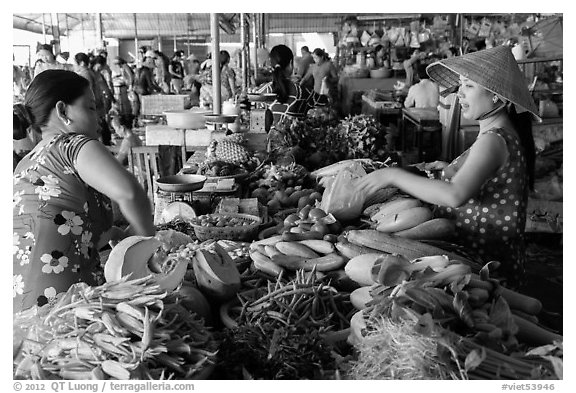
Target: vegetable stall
(295, 277)
(268, 265)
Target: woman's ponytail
(523, 124)
(280, 57)
(22, 120)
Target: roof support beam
(216, 85)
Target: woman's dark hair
(46, 89)
(224, 58)
(377, 48)
(523, 124)
(320, 53)
(280, 58)
(21, 122)
(421, 71)
(82, 58)
(99, 60)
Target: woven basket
(245, 232)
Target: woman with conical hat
(484, 190)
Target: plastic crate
(159, 103)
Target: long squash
(434, 229)
(351, 250)
(404, 219)
(409, 248)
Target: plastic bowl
(380, 73)
(181, 183)
(189, 120)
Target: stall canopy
(121, 25)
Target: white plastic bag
(341, 198)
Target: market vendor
(293, 100)
(424, 94)
(62, 213)
(485, 190)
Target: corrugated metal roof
(121, 25)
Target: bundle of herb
(266, 351)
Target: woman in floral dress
(62, 189)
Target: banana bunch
(408, 217)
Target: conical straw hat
(495, 69)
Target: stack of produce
(127, 329)
(359, 136)
(410, 218)
(305, 240)
(282, 187)
(283, 330)
(481, 323)
(229, 149)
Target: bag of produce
(341, 198)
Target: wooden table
(423, 120)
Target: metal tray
(181, 183)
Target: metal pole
(82, 26)
(99, 38)
(216, 86)
(55, 33)
(174, 24)
(188, 33)
(44, 27)
(243, 56)
(159, 36)
(261, 36)
(255, 44)
(68, 35)
(136, 50)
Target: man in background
(305, 61)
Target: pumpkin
(217, 277)
(142, 256)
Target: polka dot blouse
(492, 223)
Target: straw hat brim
(494, 69)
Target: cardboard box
(164, 135)
(201, 137)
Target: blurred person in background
(228, 87)
(103, 105)
(123, 81)
(145, 83)
(304, 65)
(424, 94)
(46, 60)
(161, 73)
(293, 100)
(176, 70)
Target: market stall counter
(427, 124)
(350, 87)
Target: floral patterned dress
(58, 220)
(492, 223)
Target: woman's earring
(495, 99)
(67, 122)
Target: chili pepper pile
(126, 329)
(300, 301)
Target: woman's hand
(376, 180)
